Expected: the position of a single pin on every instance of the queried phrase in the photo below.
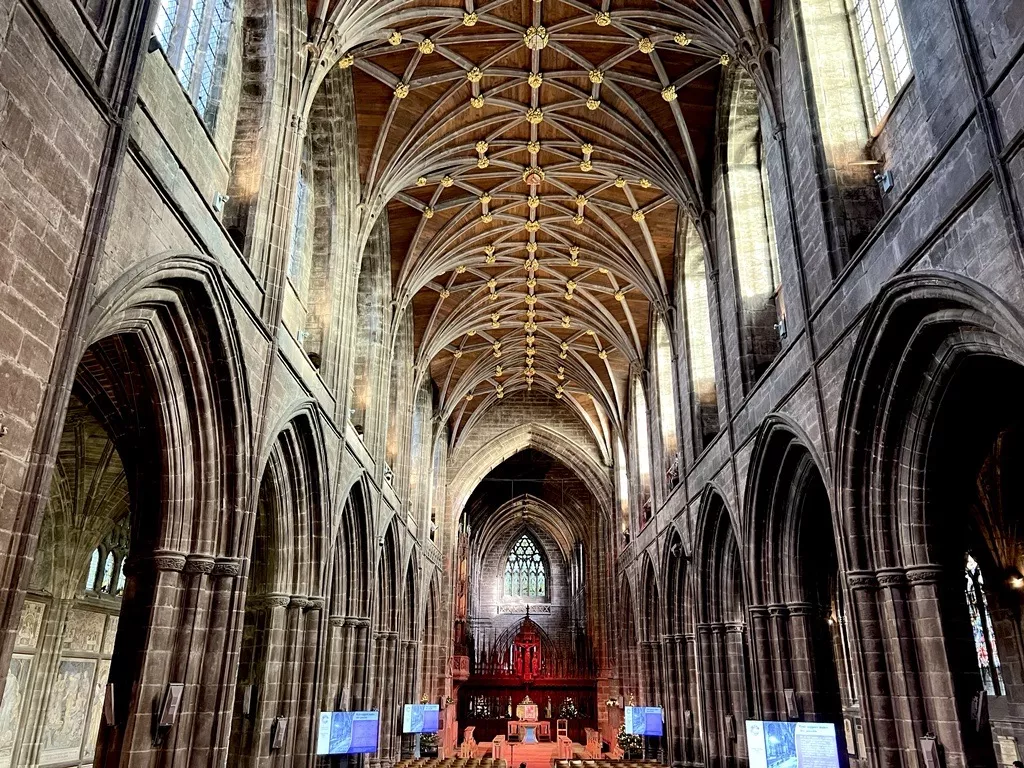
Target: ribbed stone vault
(534, 159)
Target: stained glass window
(525, 574)
(981, 626)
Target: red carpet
(534, 755)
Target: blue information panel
(792, 745)
(421, 718)
(347, 733)
(644, 721)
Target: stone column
(782, 666)
(334, 653)
(762, 653)
(187, 657)
(739, 684)
(898, 635)
(304, 727)
(712, 689)
(673, 698)
(695, 730)
(867, 644)
(361, 651)
(220, 672)
(937, 687)
(805, 682)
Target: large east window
(886, 58)
(194, 34)
(525, 573)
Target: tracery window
(193, 34)
(298, 260)
(120, 578)
(92, 578)
(623, 483)
(981, 627)
(643, 450)
(108, 573)
(667, 403)
(525, 573)
(886, 57)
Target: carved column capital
(857, 580)
(316, 603)
(227, 566)
(802, 609)
(167, 560)
(199, 564)
(924, 574)
(268, 600)
(892, 577)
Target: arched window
(643, 451)
(108, 573)
(194, 36)
(93, 576)
(120, 577)
(623, 482)
(884, 53)
(525, 574)
(981, 626)
(298, 260)
(692, 296)
(758, 280)
(667, 403)
(370, 299)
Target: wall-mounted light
(1015, 579)
(884, 179)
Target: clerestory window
(884, 52)
(193, 35)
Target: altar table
(529, 730)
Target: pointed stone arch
(538, 437)
(924, 481)
(797, 607)
(161, 367)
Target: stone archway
(927, 457)
(798, 610)
(722, 633)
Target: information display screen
(644, 721)
(792, 745)
(347, 733)
(420, 718)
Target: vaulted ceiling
(533, 157)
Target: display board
(347, 733)
(792, 745)
(644, 721)
(421, 718)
